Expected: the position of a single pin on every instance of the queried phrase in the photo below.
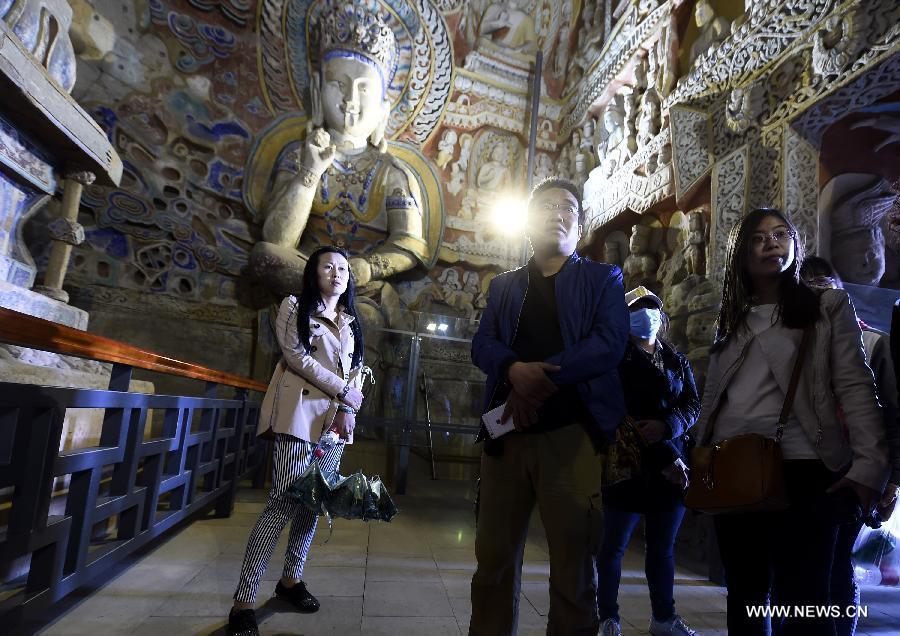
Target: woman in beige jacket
(316, 389)
(786, 555)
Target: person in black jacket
(895, 340)
(648, 472)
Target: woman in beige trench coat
(316, 387)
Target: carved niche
(691, 147)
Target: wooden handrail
(27, 331)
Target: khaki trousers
(560, 472)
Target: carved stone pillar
(729, 205)
(800, 181)
(766, 161)
(65, 232)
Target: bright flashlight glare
(442, 327)
(431, 326)
(509, 214)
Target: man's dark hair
(814, 266)
(563, 184)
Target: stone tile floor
(410, 576)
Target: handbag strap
(788, 397)
(792, 386)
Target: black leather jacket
(651, 394)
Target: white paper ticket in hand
(492, 422)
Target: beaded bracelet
(343, 408)
(307, 177)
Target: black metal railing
(159, 459)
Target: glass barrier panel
(427, 397)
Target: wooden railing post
(65, 232)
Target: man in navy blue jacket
(550, 342)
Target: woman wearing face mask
(315, 388)
(661, 399)
(786, 555)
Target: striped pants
(291, 457)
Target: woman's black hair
(310, 301)
(798, 305)
(814, 266)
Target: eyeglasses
(779, 236)
(824, 282)
(549, 207)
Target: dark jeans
(786, 555)
(844, 590)
(659, 564)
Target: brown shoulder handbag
(743, 473)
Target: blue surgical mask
(645, 323)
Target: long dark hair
(310, 301)
(798, 305)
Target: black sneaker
(242, 623)
(298, 596)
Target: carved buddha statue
(713, 29)
(640, 265)
(509, 25)
(860, 203)
(494, 174)
(695, 249)
(613, 137)
(340, 186)
(649, 119)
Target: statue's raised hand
(362, 271)
(318, 152)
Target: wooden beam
(27, 331)
(51, 116)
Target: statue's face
(611, 252)
(638, 242)
(610, 119)
(703, 13)
(500, 153)
(700, 329)
(352, 96)
(640, 71)
(858, 256)
(695, 221)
